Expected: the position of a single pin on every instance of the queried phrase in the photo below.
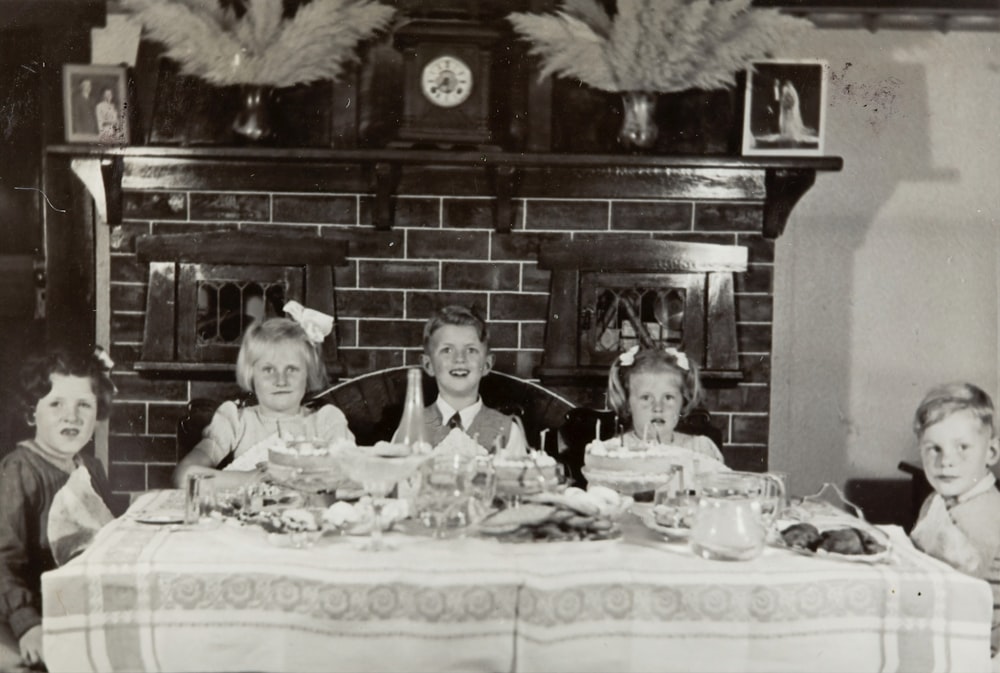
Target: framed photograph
(785, 109)
(95, 104)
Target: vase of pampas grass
(650, 47)
(259, 46)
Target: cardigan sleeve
(20, 491)
(331, 424)
(222, 434)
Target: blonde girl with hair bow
(651, 389)
(279, 363)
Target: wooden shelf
(778, 182)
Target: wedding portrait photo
(784, 108)
(95, 104)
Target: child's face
(280, 377)
(957, 452)
(65, 418)
(457, 360)
(655, 401)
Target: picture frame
(96, 104)
(785, 108)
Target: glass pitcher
(735, 511)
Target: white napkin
(76, 514)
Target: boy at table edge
(457, 354)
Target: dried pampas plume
(655, 45)
(261, 46)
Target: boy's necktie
(455, 421)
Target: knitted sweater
(485, 427)
(28, 484)
(970, 541)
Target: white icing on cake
(457, 442)
(306, 454)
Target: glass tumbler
(199, 500)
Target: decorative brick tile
(411, 275)
(447, 244)
(128, 297)
(754, 307)
(759, 249)
(503, 334)
(477, 213)
(154, 205)
(163, 418)
(532, 335)
(519, 306)
(534, 279)
(370, 303)
(329, 209)
(518, 245)
(128, 269)
(741, 398)
(696, 237)
(652, 215)
(346, 331)
(127, 326)
(142, 448)
(122, 236)
(757, 278)
(368, 242)
(566, 215)
(134, 387)
(127, 477)
(384, 333)
(364, 360)
(728, 217)
(408, 211)
(422, 305)
(160, 476)
(168, 228)
(486, 276)
(754, 338)
(127, 419)
(215, 390)
(230, 207)
(346, 276)
(756, 368)
(746, 458)
(125, 355)
(750, 429)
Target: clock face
(446, 81)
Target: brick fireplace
(443, 246)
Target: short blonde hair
(652, 360)
(944, 400)
(459, 316)
(261, 337)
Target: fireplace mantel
(779, 182)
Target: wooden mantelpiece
(779, 182)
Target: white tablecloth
(153, 598)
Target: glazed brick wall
(442, 249)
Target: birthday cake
(308, 455)
(521, 470)
(641, 465)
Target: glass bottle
(411, 430)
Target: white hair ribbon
(105, 359)
(316, 323)
(627, 359)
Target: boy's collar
(981, 486)
(467, 414)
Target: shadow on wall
(883, 501)
(879, 112)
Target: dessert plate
(645, 513)
(827, 524)
(160, 518)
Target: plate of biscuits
(566, 517)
